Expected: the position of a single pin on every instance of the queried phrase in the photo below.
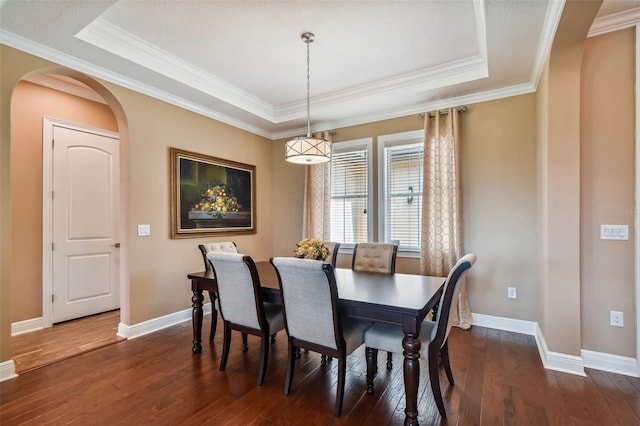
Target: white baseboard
(611, 363)
(557, 361)
(550, 360)
(27, 326)
(156, 324)
(7, 370)
(506, 324)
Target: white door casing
(81, 255)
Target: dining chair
(378, 258)
(241, 304)
(312, 317)
(333, 252)
(433, 335)
(224, 247)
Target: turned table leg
(196, 318)
(411, 346)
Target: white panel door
(85, 201)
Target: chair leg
(264, 358)
(342, 372)
(389, 361)
(291, 361)
(372, 360)
(444, 356)
(214, 316)
(226, 344)
(244, 342)
(435, 381)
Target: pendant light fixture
(308, 149)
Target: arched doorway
(70, 97)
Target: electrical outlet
(511, 293)
(616, 318)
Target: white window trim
(383, 141)
(353, 145)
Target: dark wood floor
(156, 379)
(64, 340)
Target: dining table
(402, 299)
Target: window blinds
(349, 196)
(403, 174)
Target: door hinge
(52, 298)
(53, 143)
(53, 194)
(53, 246)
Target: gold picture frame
(211, 196)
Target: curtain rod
(441, 112)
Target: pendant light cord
(308, 41)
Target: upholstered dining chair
(379, 258)
(433, 335)
(312, 317)
(241, 304)
(224, 247)
(333, 252)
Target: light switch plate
(144, 230)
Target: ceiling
(243, 62)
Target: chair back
(333, 252)
(449, 299)
(238, 289)
(310, 300)
(375, 257)
(222, 246)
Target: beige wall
(158, 264)
(560, 182)
(607, 190)
(30, 102)
(499, 185)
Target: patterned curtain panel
(441, 240)
(317, 200)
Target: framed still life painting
(211, 196)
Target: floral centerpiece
(217, 200)
(311, 248)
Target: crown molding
(551, 22)
(73, 63)
(119, 42)
(481, 28)
(615, 22)
(455, 72)
(64, 86)
(489, 95)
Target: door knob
(116, 245)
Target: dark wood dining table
(401, 299)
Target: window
(399, 191)
(400, 174)
(350, 192)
